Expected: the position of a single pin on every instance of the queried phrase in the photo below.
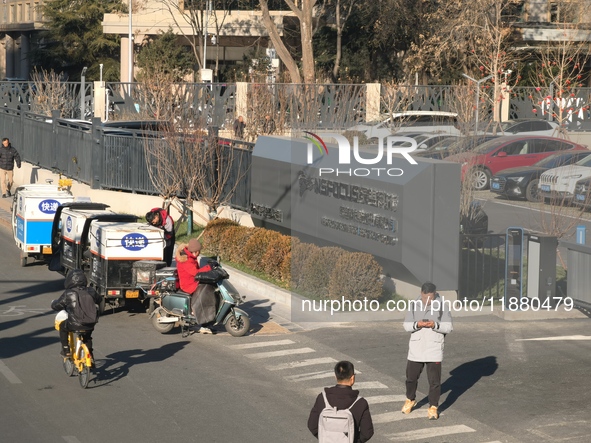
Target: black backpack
(86, 310)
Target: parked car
(523, 126)
(496, 155)
(425, 141)
(558, 184)
(523, 182)
(454, 145)
(410, 121)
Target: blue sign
(69, 223)
(49, 206)
(134, 242)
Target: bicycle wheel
(69, 366)
(84, 372)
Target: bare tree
(198, 15)
(51, 93)
(560, 74)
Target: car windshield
(585, 161)
(443, 144)
(505, 126)
(556, 160)
(488, 146)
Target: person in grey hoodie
(428, 320)
(8, 156)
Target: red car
(506, 152)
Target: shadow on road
(117, 365)
(465, 376)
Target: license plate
(580, 197)
(495, 185)
(132, 294)
(545, 188)
(46, 249)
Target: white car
(411, 121)
(523, 126)
(558, 184)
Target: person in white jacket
(428, 320)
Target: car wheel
(480, 179)
(532, 192)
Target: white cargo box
(32, 216)
(125, 241)
(72, 221)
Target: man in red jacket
(161, 219)
(187, 265)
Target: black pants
(413, 372)
(65, 329)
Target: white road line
(270, 354)
(314, 375)
(377, 399)
(358, 385)
(564, 337)
(496, 441)
(421, 434)
(311, 376)
(388, 417)
(262, 344)
(301, 363)
(70, 439)
(12, 378)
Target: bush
(211, 238)
(355, 275)
(256, 247)
(318, 268)
(232, 241)
(299, 254)
(277, 259)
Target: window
(515, 148)
(563, 12)
(540, 125)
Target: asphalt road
(499, 386)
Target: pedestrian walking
(239, 126)
(428, 321)
(268, 125)
(8, 157)
(341, 406)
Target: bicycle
(80, 359)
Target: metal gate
(482, 266)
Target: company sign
(134, 242)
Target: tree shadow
(117, 365)
(465, 376)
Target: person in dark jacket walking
(8, 156)
(342, 396)
(70, 301)
(161, 219)
(238, 127)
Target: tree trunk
(308, 68)
(337, 61)
(282, 51)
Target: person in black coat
(343, 396)
(75, 285)
(8, 156)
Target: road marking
(388, 417)
(270, 354)
(301, 363)
(564, 337)
(358, 385)
(377, 399)
(314, 375)
(262, 344)
(12, 378)
(311, 376)
(70, 439)
(421, 434)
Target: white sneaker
(204, 330)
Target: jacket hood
(181, 253)
(75, 278)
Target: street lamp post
(478, 82)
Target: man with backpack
(340, 414)
(80, 304)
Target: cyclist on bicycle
(80, 304)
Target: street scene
(280, 221)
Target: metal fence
(88, 154)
